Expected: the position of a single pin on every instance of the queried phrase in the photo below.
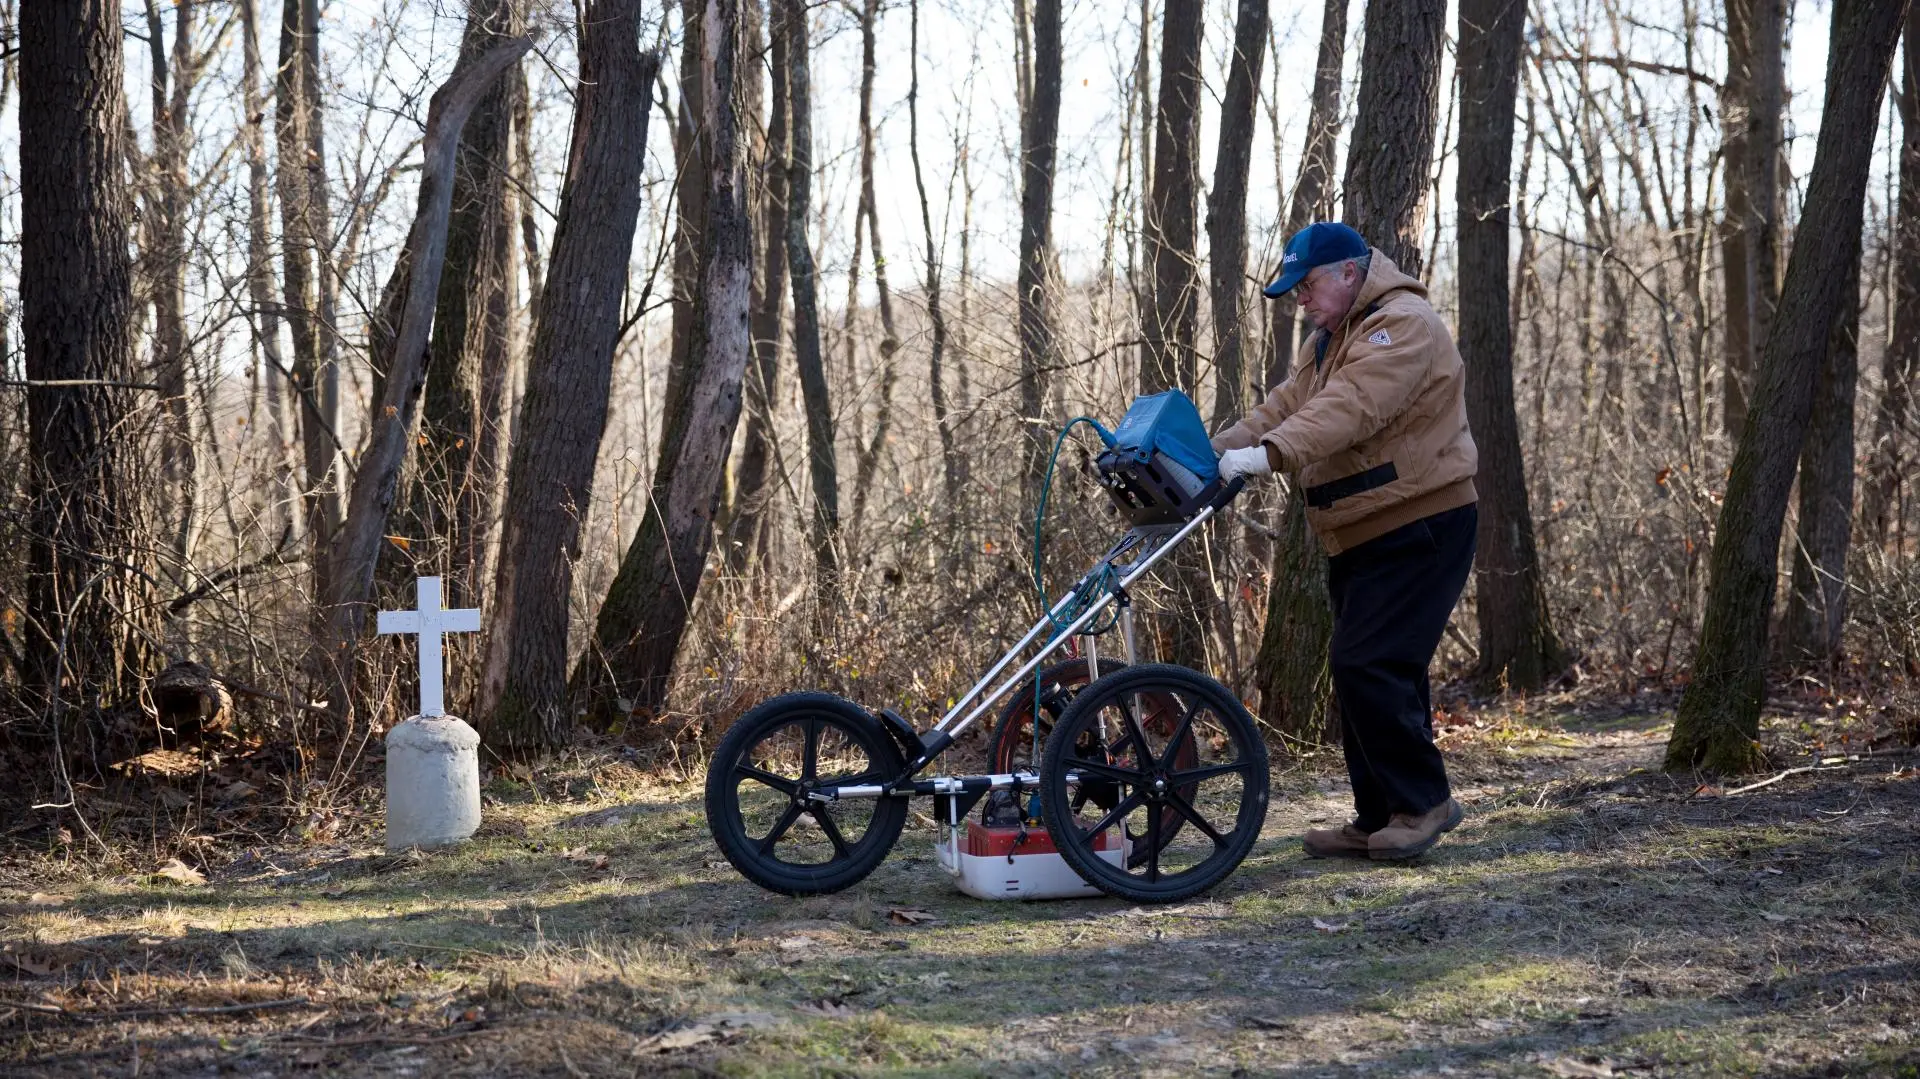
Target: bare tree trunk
(690, 145)
(1291, 666)
(1227, 270)
(1171, 212)
(748, 525)
(791, 22)
(1719, 716)
(1518, 648)
(626, 671)
(1039, 133)
(1386, 185)
(260, 279)
(1817, 599)
(866, 463)
(1750, 112)
(418, 271)
(563, 413)
(1388, 175)
(89, 610)
(303, 228)
(456, 471)
(1143, 91)
(950, 471)
(529, 224)
(165, 262)
(1889, 454)
(1227, 212)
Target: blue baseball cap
(1319, 244)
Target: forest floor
(1592, 917)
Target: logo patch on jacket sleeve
(1379, 337)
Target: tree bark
(1889, 454)
(791, 23)
(1171, 212)
(867, 461)
(1390, 159)
(90, 612)
(627, 670)
(1170, 357)
(1518, 648)
(165, 262)
(303, 223)
(690, 147)
(563, 412)
(1291, 666)
(456, 468)
(1719, 716)
(1227, 213)
(1817, 598)
(748, 524)
(1750, 111)
(1312, 198)
(377, 480)
(1039, 134)
(951, 468)
(1386, 184)
(260, 279)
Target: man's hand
(1251, 461)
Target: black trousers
(1391, 599)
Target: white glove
(1251, 461)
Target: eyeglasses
(1304, 290)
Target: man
(1374, 422)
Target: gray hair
(1363, 264)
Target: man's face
(1326, 293)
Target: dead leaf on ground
(829, 1008)
(1325, 926)
(180, 873)
(709, 1029)
(1573, 1068)
(910, 916)
(582, 857)
(42, 899)
(38, 966)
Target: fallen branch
(381, 1039)
(1781, 776)
(140, 1013)
(258, 694)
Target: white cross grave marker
(430, 623)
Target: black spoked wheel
(1119, 760)
(1011, 748)
(757, 794)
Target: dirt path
(1592, 917)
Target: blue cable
(1090, 586)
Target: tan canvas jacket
(1373, 418)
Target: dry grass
(1591, 917)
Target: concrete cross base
(433, 782)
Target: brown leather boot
(1345, 841)
(1408, 836)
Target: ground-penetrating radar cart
(1151, 779)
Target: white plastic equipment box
(997, 863)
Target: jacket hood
(1383, 277)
